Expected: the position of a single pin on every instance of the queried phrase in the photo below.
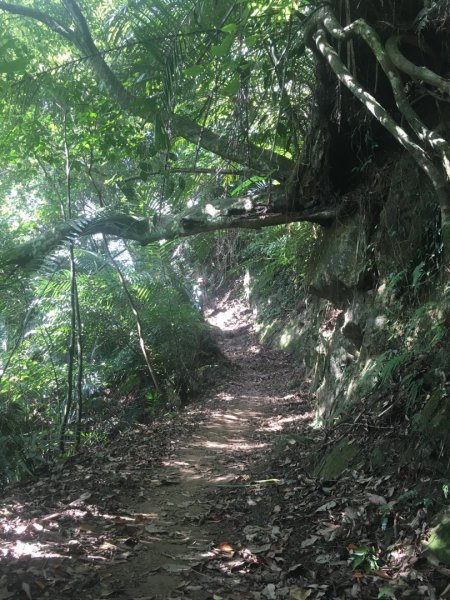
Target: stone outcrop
(376, 315)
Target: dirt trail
(186, 519)
(117, 521)
(232, 511)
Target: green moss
(433, 421)
(439, 541)
(285, 442)
(338, 459)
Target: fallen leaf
(351, 513)
(326, 506)
(81, 499)
(381, 573)
(375, 499)
(309, 542)
(260, 549)
(297, 593)
(295, 569)
(26, 589)
(323, 558)
(269, 592)
(90, 527)
(155, 529)
(175, 568)
(358, 575)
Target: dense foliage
(150, 121)
(85, 327)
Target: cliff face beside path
(371, 324)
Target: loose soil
(218, 502)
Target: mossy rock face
(338, 459)
(433, 421)
(380, 452)
(340, 263)
(409, 208)
(438, 545)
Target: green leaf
(358, 561)
(251, 41)
(417, 273)
(14, 66)
(169, 188)
(224, 47)
(247, 183)
(193, 71)
(162, 141)
(10, 44)
(232, 87)
(229, 28)
(386, 592)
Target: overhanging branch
(148, 230)
(52, 23)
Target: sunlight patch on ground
(224, 396)
(232, 445)
(278, 423)
(238, 415)
(231, 318)
(231, 417)
(225, 320)
(254, 350)
(54, 544)
(36, 550)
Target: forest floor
(218, 502)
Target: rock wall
(373, 326)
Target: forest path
(193, 522)
(187, 507)
(221, 502)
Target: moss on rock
(338, 459)
(438, 545)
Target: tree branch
(439, 177)
(42, 17)
(254, 157)
(414, 71)
(369, 35)
(372, 105)
(145, 230)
